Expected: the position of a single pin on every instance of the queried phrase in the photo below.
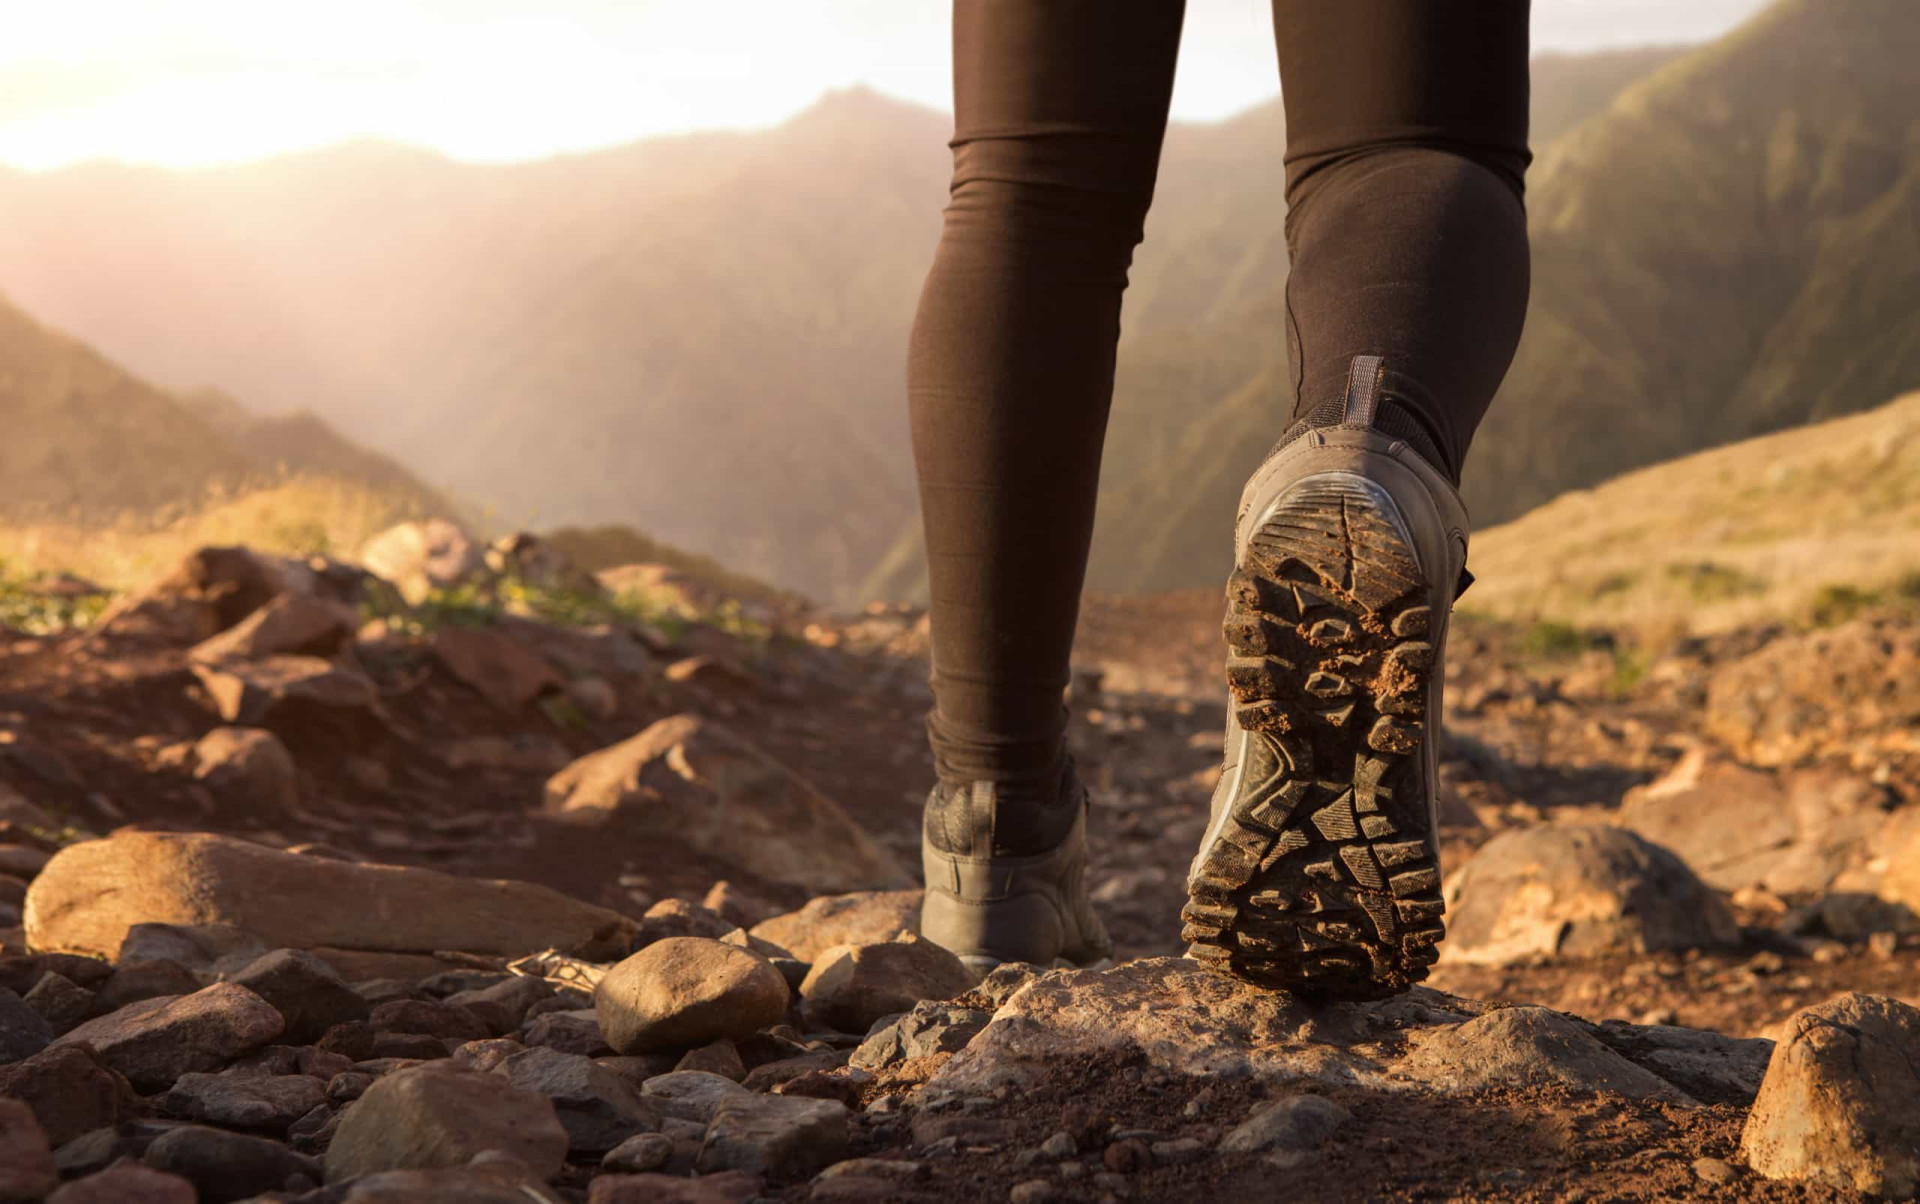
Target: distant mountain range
(87, 441)
(704, 336)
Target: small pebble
(1033, 1191)
(1714, 1170)
(1128, 1155)
(1060, 1145)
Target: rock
(569, 1032)
(495, 665)
(852, 986)
(60, 1002)
(738, 907)
(775, 1075)
(305, 991)
(209, 591)
(203, 948)
(1803, 694)
(687, 991)
(1577, 892)
(775, 1135)
(595, 696)
(1840, 1105)
(133, 981)
(1707, 1066)
(717, 1057)
(227, 1166)
(1528, 1047)
(861, 918)
(21, 860)
(930, 1028)
(692, 1094)
(128, 1183)
(429, 1017)
(421, 557)
(288, 691)
(270, 1102)
(730, 1187)
(1788, 832)
(93, 891)
(513, 996)
(541, 563)
(24, 1032)
(717, 793)
(1714, 1171)
(429, 1116)
(155, 1041)
(248, 768)
(69, 1091)
(1031, 1191)
(1182, 1019)
(597, 1107)
(531, 752)
(465, 1185)
(677, 917)
(26, 1160)
(1900, 885)
(288, 625)
(1291, 1126)
(638, 1154)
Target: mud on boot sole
(1323, 877)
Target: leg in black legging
(1059, 109)
(1406, 146)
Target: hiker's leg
(1406, 144)
(1059, 109)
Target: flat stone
(1840, 1104)
(677, 917)
(687, 991)
(598, 1108)
(290, 624)
(129, 1183)
(1292, 1125)
(27, 1171)
(93, 892)
(62, 1003)
(1528, 1047)
(854, 985)
(639, 1154)
(305, 991)
(429, 1116)
(861, 918)
(227, 1166)
(133, 981)
(1708, 1066)
(430, 1017)
(267, 1102)
(775, 1135)
(1577, 891)
(69, 1091)
(932, 1027)
(278, 690)
(203, 948)
(715, 791)
(692, 1094)
(156, 1041)
(715, 1057)
(575, 1032)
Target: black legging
(1406, 146)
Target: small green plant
(1630, 667)
(1836, 603)
(1907, 586)
(39, 604)
(1710, 582)
(1551, 639)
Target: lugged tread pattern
(1324, 879)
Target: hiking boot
(989, 903)
(1320, 870)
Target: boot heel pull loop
(1363, 390)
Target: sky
(197, 82)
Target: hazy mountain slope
(701, 336)
(86, 441)
(1569, 88)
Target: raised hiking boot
(989, 901)
(1320, 871)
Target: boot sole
(1323, 877)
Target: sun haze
(201, 82)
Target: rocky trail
(478, 880)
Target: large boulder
(692, 779)
(1841, 1101)
(688, 991)
(420, 557)
(1578, 891)
(1791, 832)
(433, 1116)
(92, 892)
